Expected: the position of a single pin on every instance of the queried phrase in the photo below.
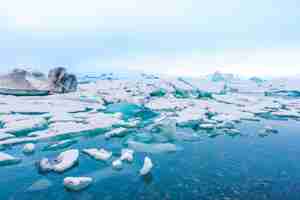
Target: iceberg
(25, 126)
(117, 164)
(148, 165)
(77, 183)
(66, 160)
(28, 148)
(127, 155)
(97, 154)
(44, 165)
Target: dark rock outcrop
(61, 81)
(23, 82)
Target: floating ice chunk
(119, 132)
(66, 160)
(166, 127)
(127, 154)
(4, 136)
(97, 154)
(148, 165)
(25, 126)
(191, 114)
(117, 164)
(6, 159)
(153, 148)
(77, 183)
(44, 165)
(29, 148)
(207, 126)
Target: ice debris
(98, 154)
(127, 155)
(77, 183)
(29, 148)
(148, 165)
(117, 164)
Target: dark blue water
(224, 167)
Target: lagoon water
(246, 166)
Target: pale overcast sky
(175, 37)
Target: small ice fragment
(44, 165)
(6, 159)
(117, 164)
(29, 148)
(77, 183)
(66, 160)
(148, 165)
(101, 154)
(207, 126)
(127, 154)
(4, 136)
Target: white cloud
(251, 62)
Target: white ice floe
(148, 165)
(127, 155)
(207, 126)
(77, 183)
(26, 125)
(29, 148)
(66, 160)
(6, 159)
(98, 154)
(117, 164)
(44, 165)
(4, 136)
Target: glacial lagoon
(230, 144)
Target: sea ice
(98, 154)
(29, 148)
(127, 155)
(117, 164)
(148, 165)
(44, 165)
(77, 183)
(66, 160)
